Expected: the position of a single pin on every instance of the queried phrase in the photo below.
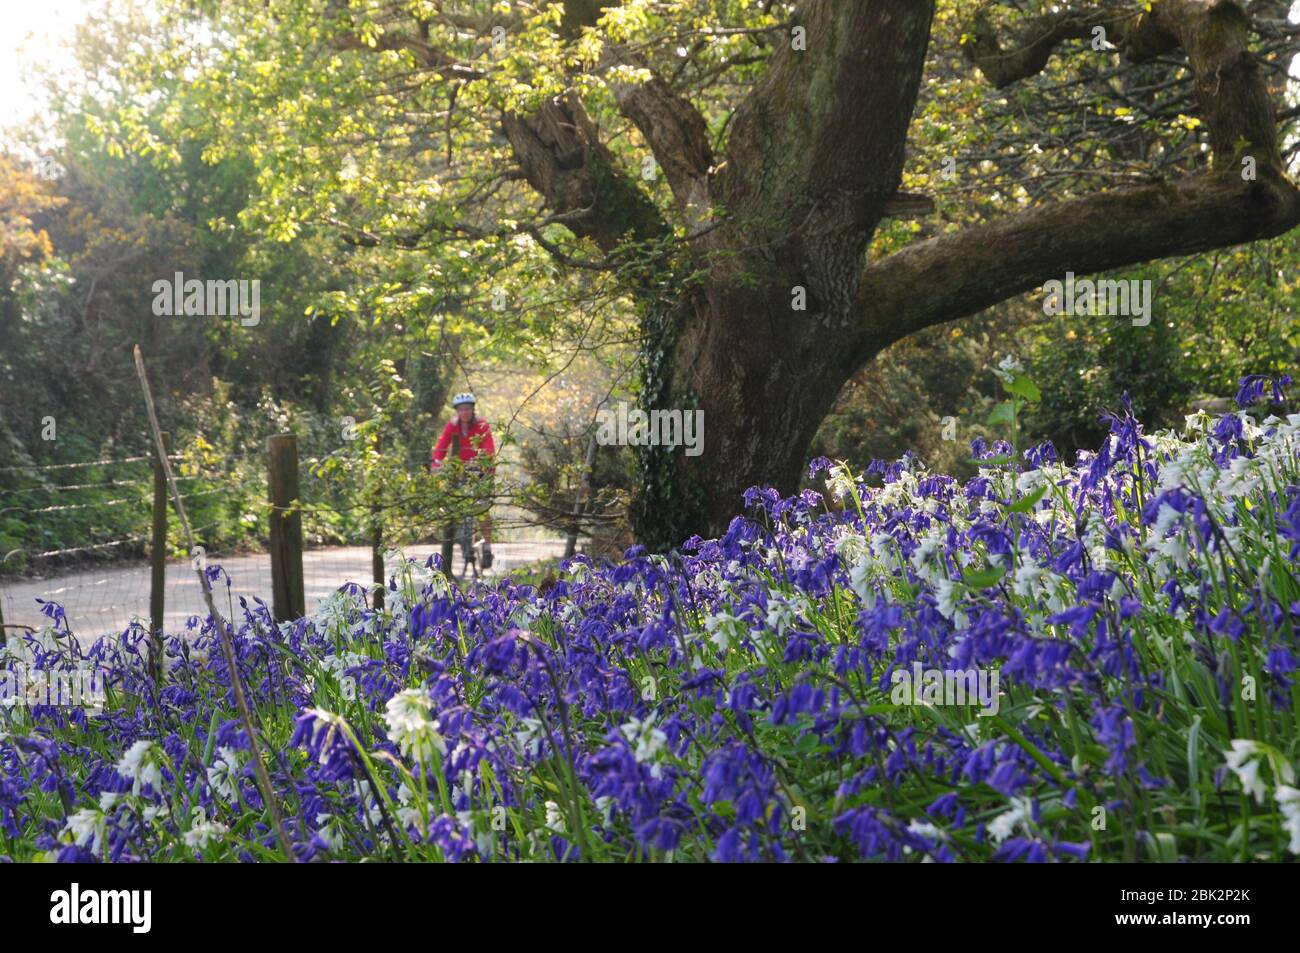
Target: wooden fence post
(377, 558)
(377, 543)
(288, 600)
(158, 559)
(448, 547)
(580, 502)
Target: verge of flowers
(738, 699)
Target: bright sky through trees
(34, 34)
(39, 33)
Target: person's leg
(485, 523)
(485, 526)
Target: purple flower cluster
(737, 700)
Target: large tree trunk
(763, 376)
(814, 158)
(812, 164)
(806, 188)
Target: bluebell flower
(1253, 386)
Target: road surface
(104, 600)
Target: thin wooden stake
(158, 563)
(580, 502)
(227, 646)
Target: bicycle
(473, 557)
(468, 549)
(467, 482)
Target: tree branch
(675, 131)
(1234, 103)
(823, 133)
(563, 159)
(1031, 51)
(426, 54)
(557, 147)
(957, 275)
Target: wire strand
(34, 467)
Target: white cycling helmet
(465, 398)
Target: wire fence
(105, 582)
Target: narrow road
(104, 600)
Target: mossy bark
(812, 163)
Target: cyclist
(474, 448)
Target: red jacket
(477, 440)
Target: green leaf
(1004, 414)
(1193, 764)
(1026, 503)
(983, 578)
(1022, 386)
(1163, 847)
(907, 591)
